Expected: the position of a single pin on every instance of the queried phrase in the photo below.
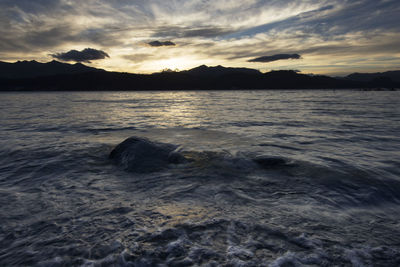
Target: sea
(273, 178)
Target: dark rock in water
(270, 162)
(142, 155)
(176, 158)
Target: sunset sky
(334, 37)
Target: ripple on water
(278, 178)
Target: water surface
(335, 201)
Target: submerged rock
(139, 154)
(270, 162)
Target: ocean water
(275, 178)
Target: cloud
(190, 31)
(207, 32)
(158, 43)
(327, 33)
(139, 57)
(275, 57)
(86, 55)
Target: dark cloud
(187, 32)
(86, 55)
(207, 32)
(158, 43)
(275, 57)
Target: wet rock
(142, 155)
(176, 158)
(270, 162)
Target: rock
(176, 158)
(270, 162)
(139, 154)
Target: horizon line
(88, 64)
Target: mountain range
(32, 69)
(54, 75)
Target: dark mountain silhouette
(368, 77)
(79, 77)
(204, 70)
(31, 69)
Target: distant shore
(57, 76)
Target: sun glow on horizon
(175, 63)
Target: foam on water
(270, 179)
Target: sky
(334, 37)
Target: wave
(217, 242)
(338, 185)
